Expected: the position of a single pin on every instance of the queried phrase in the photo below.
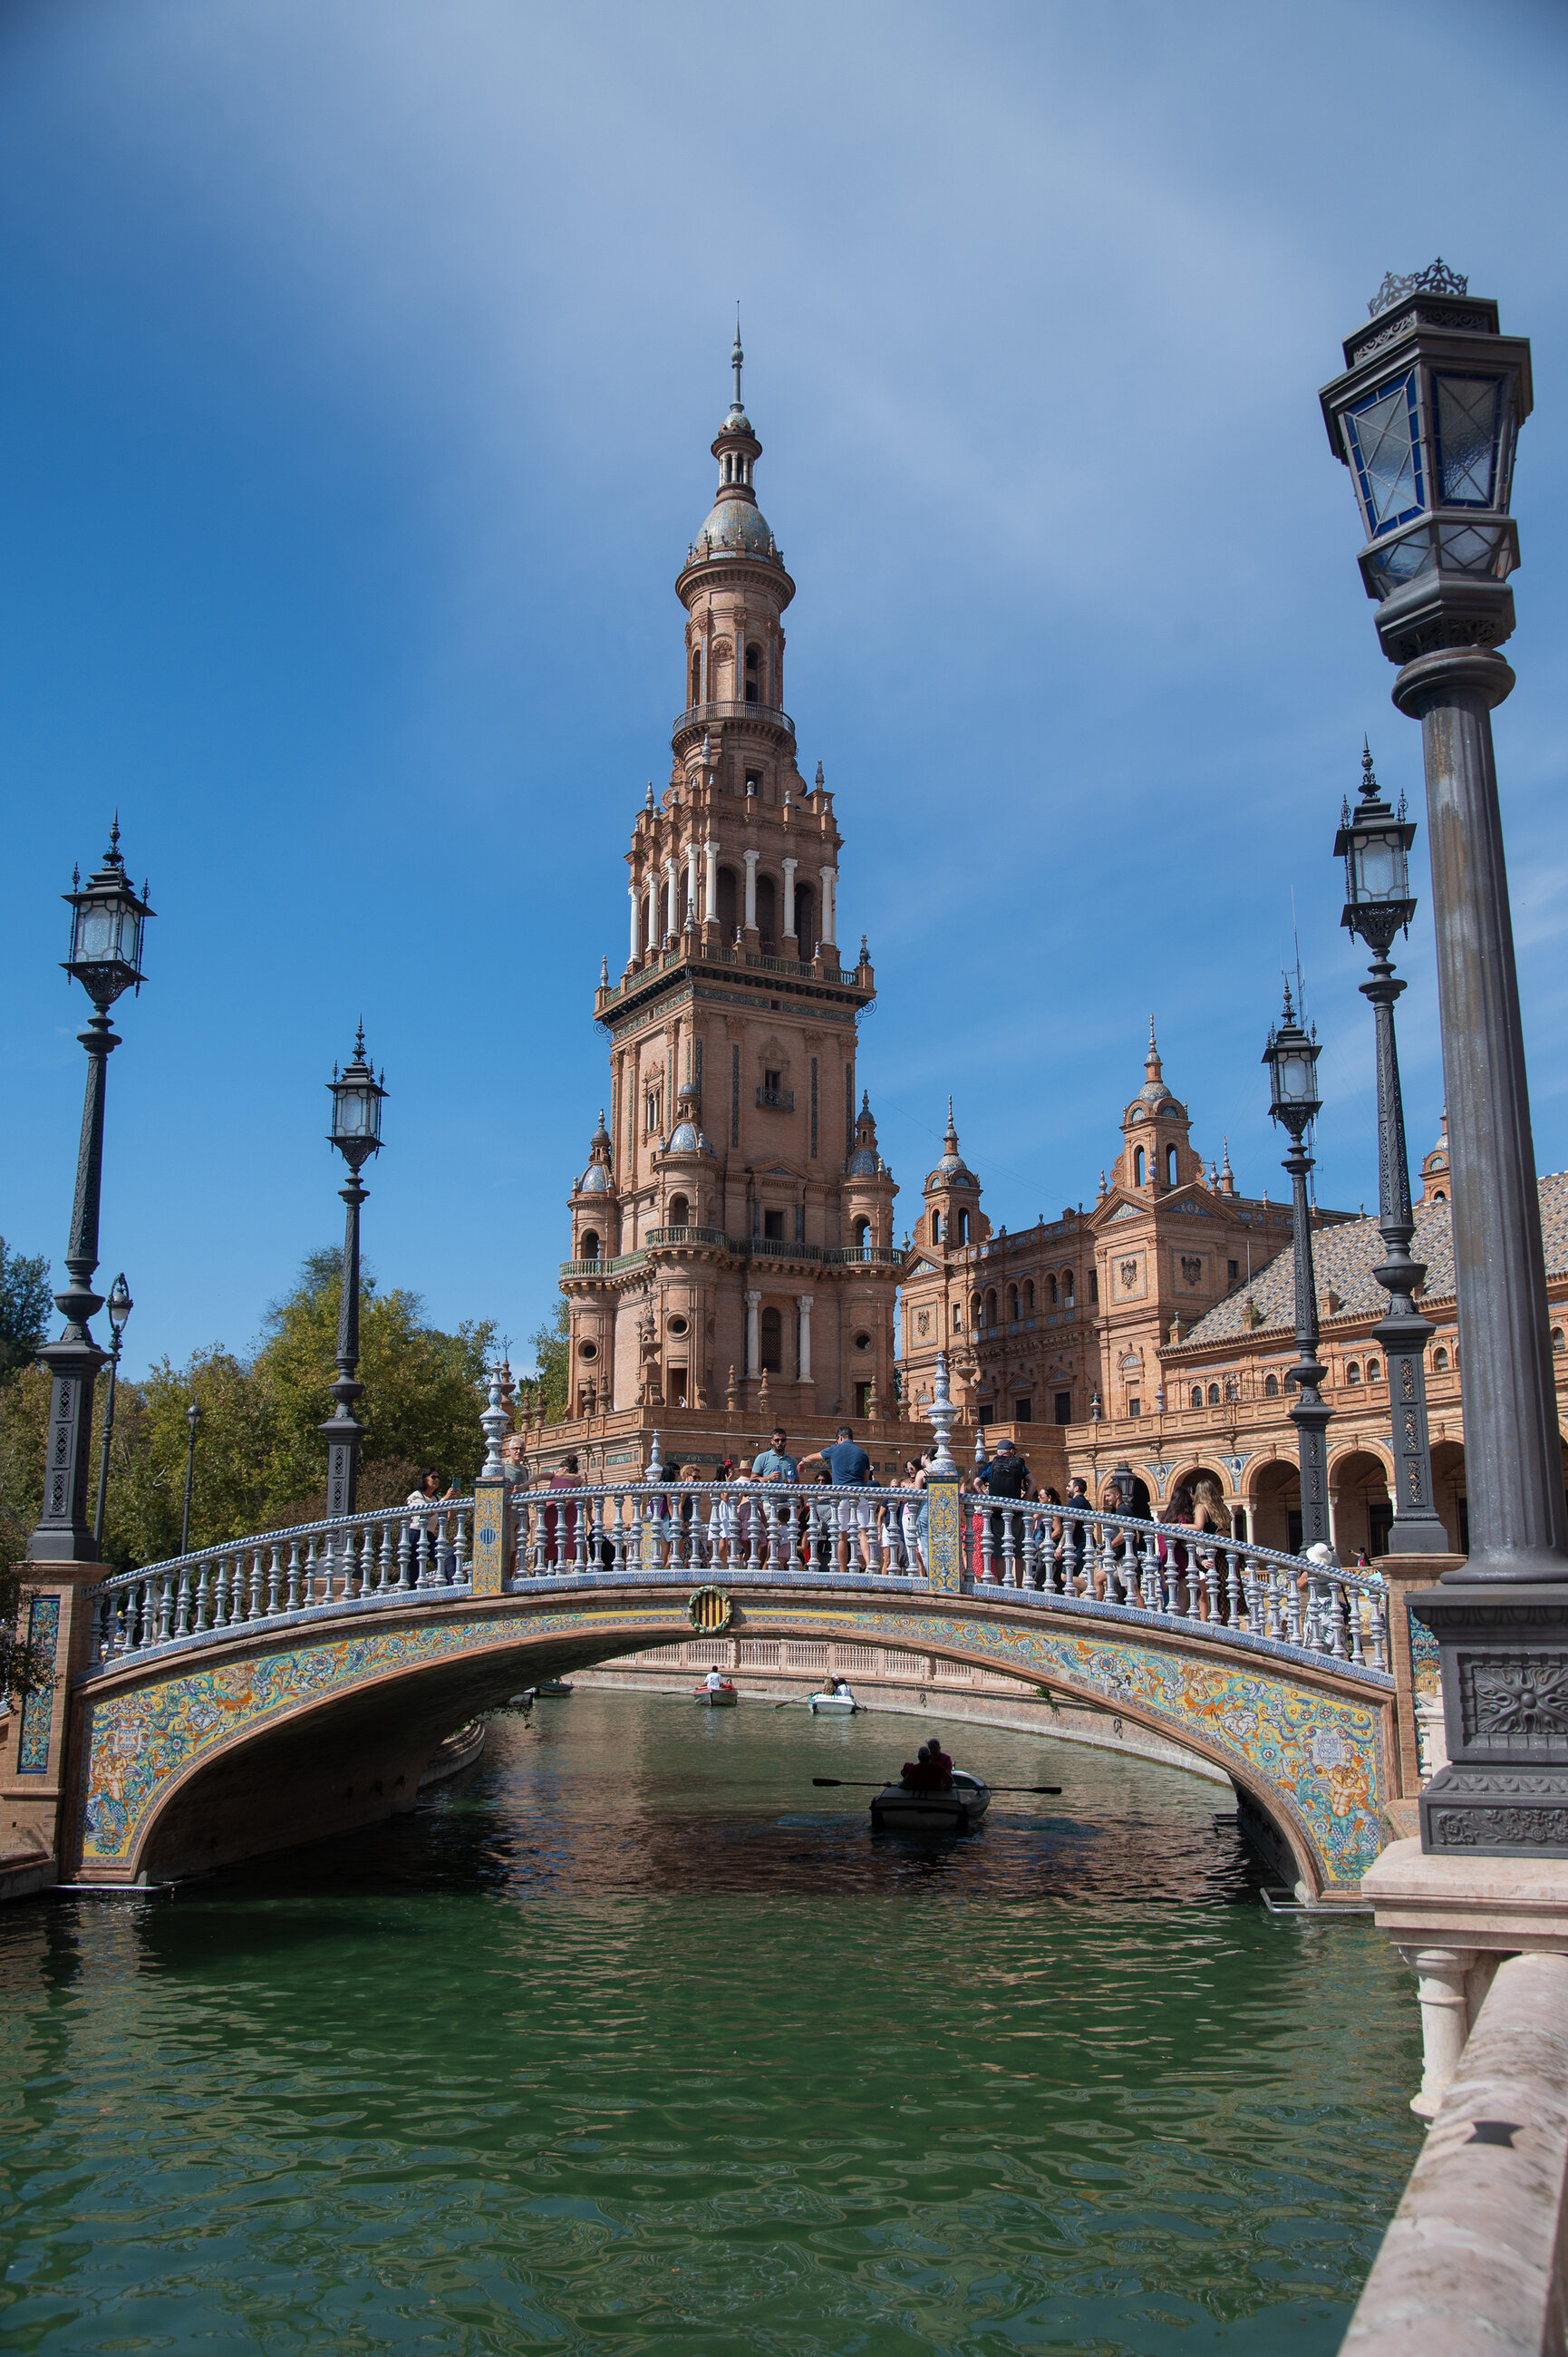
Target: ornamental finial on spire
(737, 356)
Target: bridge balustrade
(1167, 1574)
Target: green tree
(551, 1344)
(25, 1304)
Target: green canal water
(633, 2041)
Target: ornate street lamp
(357, 1134)
(192, 1418)
(120, 1308)
(1426, 415)
(1374, 843)
(1291, 1058)
(107, 926)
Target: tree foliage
(551, 1344)
(260, 1459)
(24, 1304)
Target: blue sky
(360, 363)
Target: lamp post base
(1503, 1648)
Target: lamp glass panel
(95, 932)
(1295, 1078)
(354, 1112)
(1477, 548)
(1378, 865)
(1467, 410)
(1385, 449)
(1390, 567)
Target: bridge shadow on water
(631, 2039)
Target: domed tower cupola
(953, 1217)
(1156, 1154)
(1434, 1174)
(595, 1213)
(868, 1188)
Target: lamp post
(1374, 843)
(1426, 415)
(1291, 1058)
(120, 1308)
(192, 1418)
(108, 921)
(357, 1134)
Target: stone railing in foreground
(1474, 2259)
(1160, 1575)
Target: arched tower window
(805, 920)
(729, 904)
(1198, 1395)
(589, 1246)
(1011, 1305)
(679, 1213)
(1067, 1287)
(991, 1307)
(1137, 1166)
(1051, 1291)
(766, 910)
(1170, 1166)
(772, 1341)
(752, 653)
(1271, 1386)
(963, 1227)
(936, 1227)
(1213, 1395)
(860, 1232)
(696, 693)
(1028, 1297)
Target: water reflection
(634, 2039)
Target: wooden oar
(850, 1784)
(791, 1698)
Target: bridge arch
(243, 1740)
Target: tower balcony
(764, 719)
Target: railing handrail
(326, 1527)
(732, 709)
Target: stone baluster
(1031, 1528)
(1236, 1603)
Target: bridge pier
(39, 1741)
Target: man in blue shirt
(774, 1464)
(849, 1467)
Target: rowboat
(553, 1686)
(831, 1705)
(895, 1810)
(718, 1698)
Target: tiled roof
(1344, 1258)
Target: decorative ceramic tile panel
(38, 1710)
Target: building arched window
(729, 910)
(1438, 1195)
(1233, 1388)
(1051, 1291)
(805, 920)
(963, 1227)
(1440, 1358)
(1557, 1343)
(1093, 1286)
(1197, 1395)
(1374, 1371)
(771, 1338)
(1067, 1288)
(1170, 1166)
(1271, 1386)
(991, 1306)
(1011, 1305)
(1213, 1395)
(936, 1227)
(766, 910)
(1352, 1372)
(696, 694)
(680, 1212)
(1137, 1166)
(975, 1307)
(751, 674)
(957, 1319)
(860, 1232)
(589, 1245)
(1028, 1297)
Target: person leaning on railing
(849, 1467)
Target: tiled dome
(738, 524)
(862, 1163)
(596, 1180)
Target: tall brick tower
(733, 1226)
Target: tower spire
(736, 357)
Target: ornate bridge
(296, 1682)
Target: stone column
(634, 895)
(670, 910)
(711, 881)
(1440, 1977)
(830, 908)
(753, 1334)
(751, 859)
(803, 1336)
(789, 867)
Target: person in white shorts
(849, 1467)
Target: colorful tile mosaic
(39, 1709)
(1313, 1756)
